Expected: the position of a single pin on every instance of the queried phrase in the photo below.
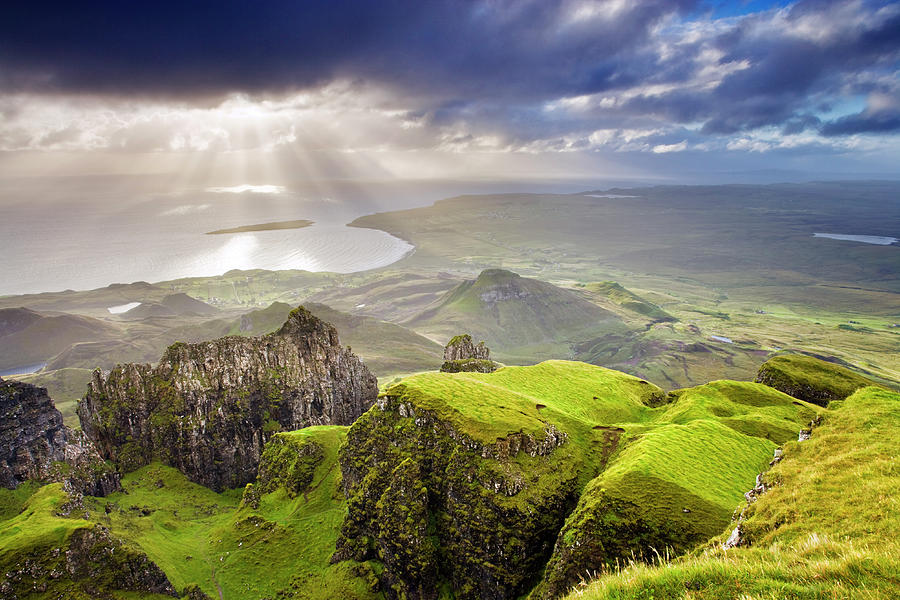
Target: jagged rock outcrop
(209, 408)
(462, 354)
(34, 444)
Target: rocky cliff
(34, 444)
(209, 408)
(463, 481)
(462, 354)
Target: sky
(235, 93)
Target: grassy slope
(198, 536)
(811, 538)
(519, 318)
(573, 396)
(625, 298)
(750, 408)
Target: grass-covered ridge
(811, 379)
(828, 528)
(488, 406)
(621, 296)
(484, 454)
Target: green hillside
(807, 537)
(646, 470)
(625, 298)
(43, 337)
(520, 319)
(230, 549)
(810, 378)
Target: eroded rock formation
(209, 408)
(34, 444)
(436, 506)
(462, 354)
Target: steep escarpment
(209, 408)
(523, 480)
(464, 479)
(36, 445)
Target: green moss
(288, 461)
(750, 408)
(810, 379)
(469, 365)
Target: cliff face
(209, 408)
(34, 444)
(436, 506)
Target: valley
(647, 376)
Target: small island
(296, 224)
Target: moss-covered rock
(288, 461)
(810, 379)
(469, 365)
(461, 355)
(36, 445)
(209, 408)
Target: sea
(88, 232)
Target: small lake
(22, 370)
(878, 240)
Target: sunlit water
(85, 232)
(878, 240)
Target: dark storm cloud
(494, 65)
(863, 123)
(185, 48)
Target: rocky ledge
(209, 408)
(34, 444)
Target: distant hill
(35, 337)
(628, 300)
(386, 348)
(103, 354)
(519, 318)
(173, 305)
(13, 320)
